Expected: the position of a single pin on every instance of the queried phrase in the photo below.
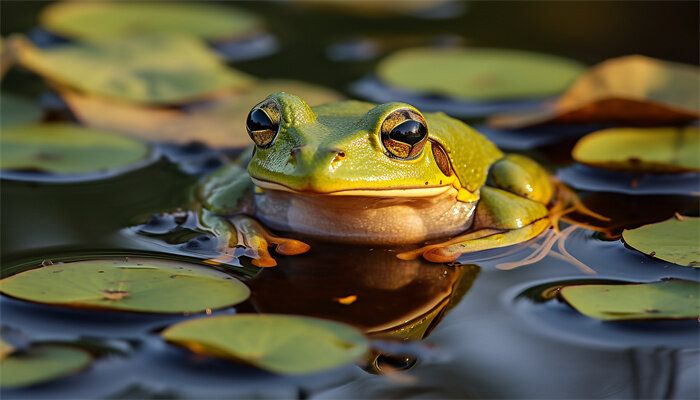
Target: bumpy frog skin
(372, 174)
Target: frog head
(358, 148)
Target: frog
(371, 174)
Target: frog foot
(244, 231)
(567, 202)
(482, 239)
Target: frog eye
(263, 123)
(404, 133)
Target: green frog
(387, 174)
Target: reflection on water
(368, 288)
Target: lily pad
(141, 285)
(483, 74)
(675, 240)
(661, 150)
(15, 110)
(631, 90)
(220, 123)
(152, 69)
(88, 21)
(66, 149)
(40, 364)
(674, 299)
(284, 344)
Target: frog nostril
(339, 155)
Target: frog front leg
(511, 210)
(226, 199)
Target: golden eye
(404, 133)
(263, 123)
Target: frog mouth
(429, 191)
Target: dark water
(490, 332)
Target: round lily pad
(66, 149)
(483, 74)
(94, 20)
(661, 150)
(41, 363)
(675, 240)
(284, 344)
(152, 69)
(15, 110)
(142, 285)
(674, 299)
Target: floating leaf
(478, 73)
(641, 149)
(383, 8)
(153, 69)
(143, 285)
(631, 90)
(89, 21)
(66, 149)
(675, 299)
(41, 364)
(283, 344)
(15, 110)
(675, 240)
(220, 123)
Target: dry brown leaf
(630, 90)
(220, 123)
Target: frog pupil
(409, 132)
(259, 121)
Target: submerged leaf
(675, 240)
(143, 285)
(483, 74)
(66, 149)
(630, 90)
(641, 149)
(152, 69)
(95, 20)
(15, 110)
(41, 364)
(220, 123)
(284, 344)
(674, 299)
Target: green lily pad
(142, 285)
(284, 344)
(480, 74)
(66, 149)
(661, 150)
(152, 69)
(675, 240)
(88, 21)
(675, 299)
(40, 364)
(15, 110)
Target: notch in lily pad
(675, 240)
(672, 299)
(137, 285)
(68, 149)
(284, 344)
(655, 150)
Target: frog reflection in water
(355, 172)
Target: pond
(484, 326)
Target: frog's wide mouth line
(430, 191)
